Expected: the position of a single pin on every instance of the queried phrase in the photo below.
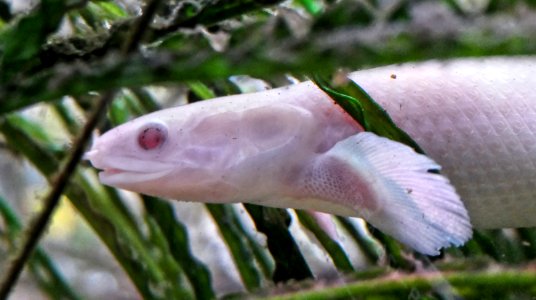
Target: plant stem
(485, 284)
(38, 225)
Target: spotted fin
(400, 195)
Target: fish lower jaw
(125, 178)
(111, 171)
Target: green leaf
(113, 10)
(67, 117)
(126, 242)
(107, 215)
(178, 245)
(334, 249)
(370, 248)
(43, 158)
(145, 100)
(504, 283)
(36, 131)
(237, 243)
(18, 53)
(201, 90)
(314, 7)
(119, 111)
(362, 108)
(274, 223)
(40, 264)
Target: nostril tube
(90, 154)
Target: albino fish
(293, 147)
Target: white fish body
(477, 119)
(293, 147)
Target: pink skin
(478, 121)
(293, 147)
(206, 142)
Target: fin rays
(419, 208)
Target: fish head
(135, 152)
(162, 154)
(206, 151)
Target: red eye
(152, 137)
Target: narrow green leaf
(119, 112)
(470, 249)
(238, 246)
(112, 222)
(504, 283)
(112, 9)
(87, 17)
(68, 118)
(126, 241)
(274, 223)
(133, 256)
(36, 131)
(497, 245)
(145, 100)
(261, 255)
(370, 249)
(397, 258)
(44, 161)
(178, 245)
(164, 258)
(314, 7)
(335, 251)
(18, 53)
(369, 114)
(201, 90)
(41, 266)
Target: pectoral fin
(394, 191)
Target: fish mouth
(112, 171)
(120, 177)
(125, 171)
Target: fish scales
(477, 119)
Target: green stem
(40, 264)
(37, 227)
(470, 285)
